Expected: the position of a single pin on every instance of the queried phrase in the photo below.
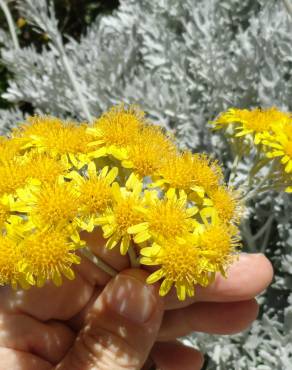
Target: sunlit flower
(179, 265)
(256, 122)
(9, 148)
(10, 257)
(50, 205)
(13, 176)
(45, 168)
(144, 153)
(190, 172)
(280, 146)
(48, 254)
(67, 140)
(122, 215)
(117, 128)
(95, 193)
(219, 244)
(167, 218)
(5, 209)
(224, 203)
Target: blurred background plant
(183, 62)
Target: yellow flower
(50, 204)
(66, 140)
(122, 214)
(179, 265)
(48, 254)
(148, 151)
(37, 126)
(256, 122)
(117, 128)
(13, 175)
(218, 243)
(5, 209)
(45, 168)
(167, 218)
(190, 173)
(10, 148)
(10, 257)
(193, 260)
(224, 203)
(95, 193)
(280, 146)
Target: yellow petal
(142, 237)
(112, 242)
(180, 290)
(165, 287)
(57, 278)
(125, 245)
(69, 273)
(151, 251)
(113, 173)
(138, 228)
(155, 276)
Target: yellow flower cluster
(269, 131)
(122, 174)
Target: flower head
(49, 205)
(256, 122)
(219, 243)
(123, 214)
(44, 168)
(117, 128)
(95, 193)
(144, 153)
(190, 172)
(10, 257)
(179, 265)
(48, 254)
(5, 209)
(13, 176)
(10, 148)
(280, 145)
(226, 205)
(66, 140)
(167, 218)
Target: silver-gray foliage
(183, 62)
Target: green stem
(99, 262)
(233, 169)
(251, 194)
(264, 228)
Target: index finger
(247, 277)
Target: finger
(121, 327)
(17, 360)
(49, 341)
(208, 317)
(49, 302)
(176, 356)
(247, 277)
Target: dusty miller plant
(183, 62)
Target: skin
(98, 323)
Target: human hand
(92, 323)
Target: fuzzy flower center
(56, 204)
(95, 196)
(126, 215)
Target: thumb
(120, 328)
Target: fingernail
(131, 298)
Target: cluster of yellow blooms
(127, 177)
(269, 132)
